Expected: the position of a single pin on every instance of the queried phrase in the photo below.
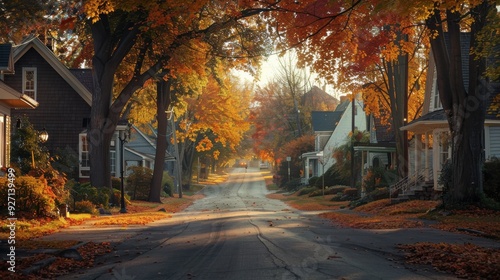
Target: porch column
(306, 170)
(418, 150)
(363, 164)
(426, 156)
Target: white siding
(494, 139)
(339, 136)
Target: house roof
(6, 61)
(61, 69)
(325, 120)
(317, 99)
(383, 132)
(15, 99)
(437, 119)
(85, 77)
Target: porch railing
(407, 183)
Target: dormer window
(29, 82)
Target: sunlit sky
(269, 70)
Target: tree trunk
(163, 100)
(467, 162)
(104, 116)
(465, 107)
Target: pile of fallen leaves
(357, 220)
(381, 214)
(130, 219)
(474, 221)
(306, 203)
(60, 266)
(465, 261)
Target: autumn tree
(327, 27)
(293, 149)
(278, 106)
(465, 107)
(146, 35)
(215, 120)
(20, 18)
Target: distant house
(318, 100)
(9, 99)
(331, 130)
(431, 146)
(140, 149)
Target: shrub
(306, 190)
(313, 180)
(335, 190)
(117, 196)
(85, 206)
(492, 179)
(139, 182)
(332, 178)
(351, 192)
(293, 185)
(55, 180)
(84, 191)
(168, 183)
(66, 161)
(34, 197)
(116, 183)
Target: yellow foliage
(94, 8)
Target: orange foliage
(463, 260)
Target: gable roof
(318, 99)
(50, 57)
(437, 118)
(85, 77)
(383, 132)
(6, 61)
(325, 120)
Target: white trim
(487, 144)
(35, 82)
(60, 68)
(80, 156)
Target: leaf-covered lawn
(139, 218)
(466, 261)
(306, 203)
(60, 266)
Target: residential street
(235, 232)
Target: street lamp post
(123, 137)
(170, 118)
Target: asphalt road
(235, 232)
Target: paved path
(235, 232)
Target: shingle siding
(61, 109)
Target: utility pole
(353, 127)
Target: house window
(437, 101)
(29, 82)
(112, 158)
(84, 155)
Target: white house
(431, 146)
(331, 131)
